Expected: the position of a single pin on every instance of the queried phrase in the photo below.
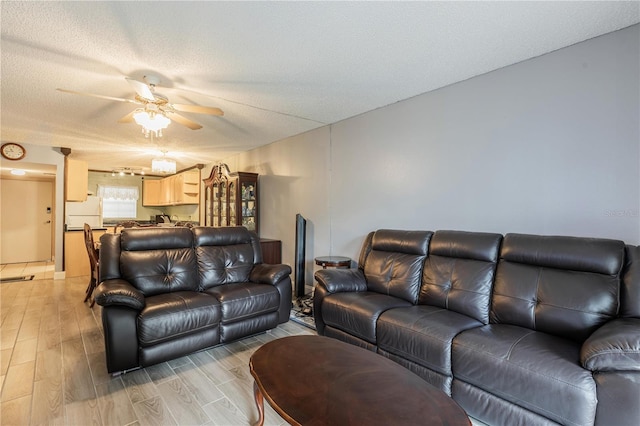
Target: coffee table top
(317, 380)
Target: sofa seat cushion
(531, 369)
(170, 315)
(239, 301)
(357, 313)
(422, 334)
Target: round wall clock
(13, 151)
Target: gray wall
(547, 146)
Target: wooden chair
(93, 261)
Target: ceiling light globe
(151, 121)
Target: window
(118, 202)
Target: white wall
(546, 146)
(294, 178)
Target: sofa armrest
(119, 292)
(613, 347)
(341, 280)
(263, 273)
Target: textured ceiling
(277, 69)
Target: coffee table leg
(259, 403)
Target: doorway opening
(27, 209)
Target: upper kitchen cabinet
(76, 179)
(186, 187)
(151, 189)
(179, 189)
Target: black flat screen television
(301, 237)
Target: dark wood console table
(271, 251)
(317, 380)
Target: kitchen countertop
(108, 225)
(141, 222)
(148, 223)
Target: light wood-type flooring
(52, 368)
(39, 270)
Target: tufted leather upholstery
(152, 260)
(454, 296)
(222, 257)
(459, 272)
(166, 292)
(565, 286)
(392, 273)
(629, 292)
(394, 263)
(525, 329)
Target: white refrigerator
(79, 213)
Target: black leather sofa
(167, 292)
(518, 329)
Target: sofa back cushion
(630, 289)
(565, 286)
(109, 257)
(459, 272)
(393, 265)
(225, 255)
(158, 260)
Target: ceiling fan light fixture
(163, 165)
(151, 122)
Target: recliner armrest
(263, 273)
(613, 347)
(341, 280)
(119, 292)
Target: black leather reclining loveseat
(167, 292)
(519, 330)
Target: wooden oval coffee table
(317, 380)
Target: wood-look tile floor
(39, 270)
(52, 368)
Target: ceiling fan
(154, 104)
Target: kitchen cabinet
(76, 179)
(231, 199)
(151, 192)
(186, 187)
(76, 258)
(166, 191)
(179, 189)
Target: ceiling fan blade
(128, 118)
(183, 120)
(198, 109)
(141, 89)
(110, 98)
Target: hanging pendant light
(163, 165)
